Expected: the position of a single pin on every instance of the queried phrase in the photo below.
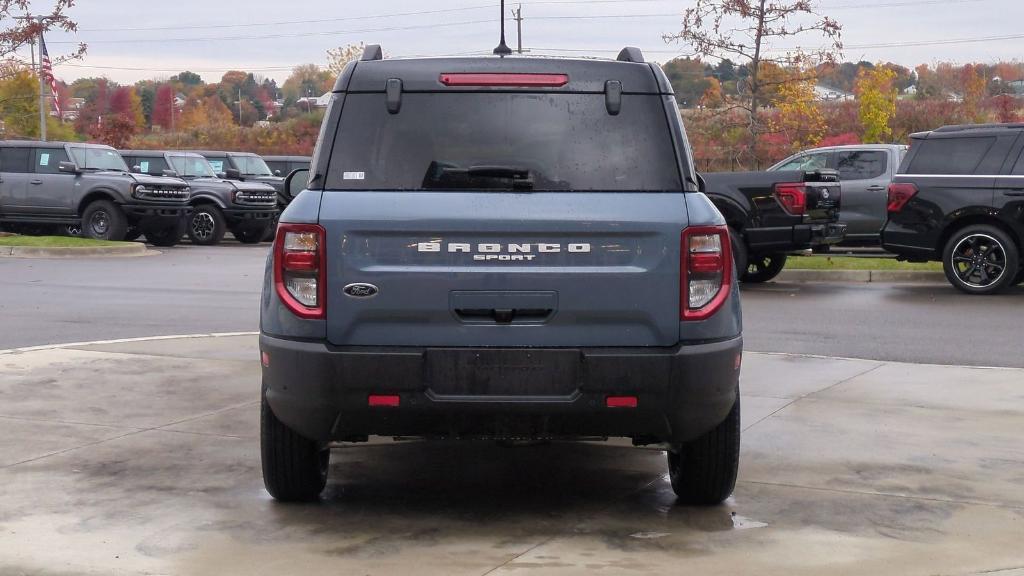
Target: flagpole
(42, 88)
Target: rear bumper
(789, 238)
(322, 392)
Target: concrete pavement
(142, 458)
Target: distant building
(828, 94)
(1016, 86)
(72, 109)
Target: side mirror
(233, 174)
(68, 167)
(296, 182)
(171, 173)
(222, 175)
(277, 172)
(136, 169)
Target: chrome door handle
(35, 182)
(876, 188)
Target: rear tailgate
(475, 268)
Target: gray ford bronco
(501, 248)
(247, 209)
(58, 184)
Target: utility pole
(42, 86)
(519, 28)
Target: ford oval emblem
(361, 290)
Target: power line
(353, 18)
(442, 11)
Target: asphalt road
(192, 289)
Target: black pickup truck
(773, 213)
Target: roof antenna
(502, 49)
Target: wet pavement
(143, 458)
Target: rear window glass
(861, 164)
(949, 155)
(503, 141)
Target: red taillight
(705, 264)
(793, 197)
(899, 194)
(502, 79)
(620, 402)
(300, 267)
(384, 400)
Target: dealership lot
(142, 457)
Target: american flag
(47, 66)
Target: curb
(865, 276)
(129, 249)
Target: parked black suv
(247, 209)
(61, 184)
(959, 198)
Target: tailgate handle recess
(504, 315)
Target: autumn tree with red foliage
(163, 106)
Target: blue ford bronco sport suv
(501, 248)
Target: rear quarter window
(949, 155)
(567, 142)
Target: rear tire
(981, 259)
(133, 233)
(739, 250)
(206, 225)
(763, 267)
(703, 471)
(102, 220)
(167, 237)
(294, 468)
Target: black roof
(157, 153)
(970, 129)
(220, 153)
(37, 143)
(423, 74)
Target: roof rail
(962, 127)
(631, 54)
(372, 52)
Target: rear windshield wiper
(443, 175)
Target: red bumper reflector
(503, 79)
(265, 358)
(620, 402)
(384, 400)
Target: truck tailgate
(503, 269)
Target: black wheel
(102, 220)
(168, 236)
(206, 225)
(739, 250)
(703, 470)
(250, 234)
(294, 468)
(981, 259)
(763, 267)
(74, 230)
(133, 233)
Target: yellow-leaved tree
(876, 103)
(798, 116)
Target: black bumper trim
(321, 392)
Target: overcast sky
(130, 40)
